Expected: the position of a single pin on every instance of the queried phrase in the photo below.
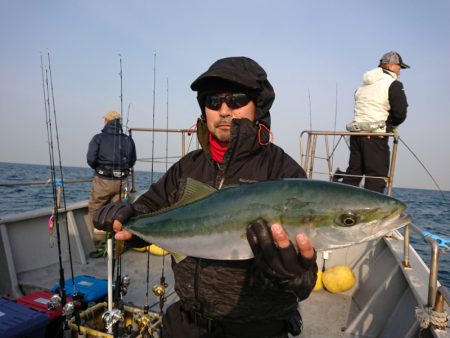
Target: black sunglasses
(233, 101)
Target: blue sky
(314, 52)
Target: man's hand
(122, 235)
(303, 242)
(112, 216)
(274, 253)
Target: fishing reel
(68, 309)
(145, 324)
(160, 289)
(54, 302)
(125, 284)
(111, 318)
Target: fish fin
(194, 191)
(178, 257)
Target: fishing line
(423, 166)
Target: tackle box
(39, 301)
(18, 321)
(92, 289)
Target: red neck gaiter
(217, 148)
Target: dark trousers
(179, 324)
(368, 156)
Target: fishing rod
(167, 123)
(68, 308)
(335, 120)
(114, 315)
(61, 170)
(128, 118)
(160, 289)
(147, 306)
(153, 113)
(52, 180)
(310, 111)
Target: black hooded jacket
(111, 149)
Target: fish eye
(347, 219)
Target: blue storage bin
(18, 321)
(93, 289)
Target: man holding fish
(253, 297)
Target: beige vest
(372, 99)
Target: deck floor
(324, 314)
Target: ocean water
(430, 209)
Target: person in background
(111, 154)
(250, 298)
(380, 106)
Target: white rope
(427, 316)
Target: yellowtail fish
(211, 223)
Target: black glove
(282, 264)
(104, 217)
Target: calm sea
(430, 209)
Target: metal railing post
(406, 239)
(432, 286)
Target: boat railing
(308, 153)
(436, 295)
(187, 138)
(442, 296)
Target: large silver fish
(212, 224)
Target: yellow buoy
(339, 278)
(319, 284)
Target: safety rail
(185, 146)
(307, 157)
(436, 295)
(442, 296)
